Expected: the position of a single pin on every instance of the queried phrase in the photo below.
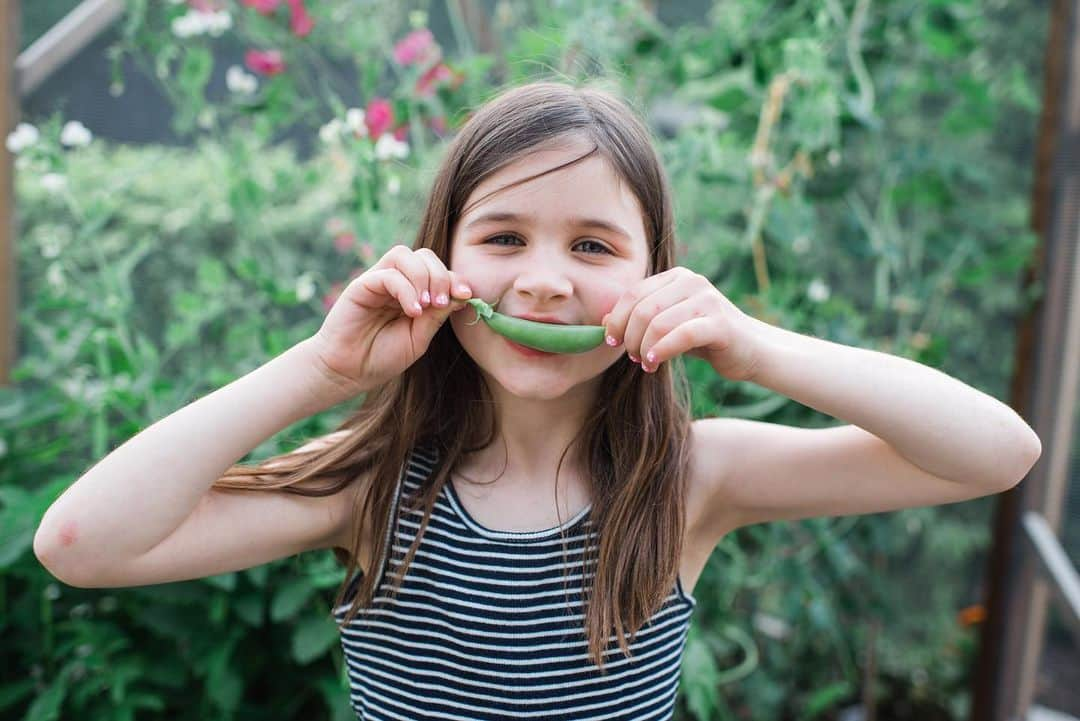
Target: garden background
(857, 170)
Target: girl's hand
(384, 320)
(679, 311)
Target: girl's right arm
(145, 513)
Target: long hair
(634, 440)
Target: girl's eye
(603, 249)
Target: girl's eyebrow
(503, 216)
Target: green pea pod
(550, 337)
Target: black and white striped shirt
(483, 628)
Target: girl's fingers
(392, 283)
(438, 285)
(641, 329)
(673, 332)
(412, 265)
(618, 323)
(443, 285)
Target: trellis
(1027, 563)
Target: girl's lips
(526, 351)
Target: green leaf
(312, 637)
(290, 598)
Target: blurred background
(189, 185)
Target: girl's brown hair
(635, 438)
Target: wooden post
(1043, 390)
(10, 21)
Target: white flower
(50, 247)
(75, 134)
(801, 244)
(240, 82)
(23, 136)
(393, 185)
(354, 121)
(331, 132)
(305, 287)
(53, 182)
(218, 22)
(387, 146)
(818, 291)
(196, 22)
(191, 23)
(205, 118)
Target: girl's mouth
(527, 351)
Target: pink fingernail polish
(651, 357)
(611, 341)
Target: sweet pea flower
(264, 62)
(331, 132)
(343, 242)
(438, 124)
(378, 117)
(239, 82)
(75, 134)
(263, 7)
(415, 48)
(332, 295)
(53, 182)
(23, 136)
(437, 73)
(354, 121)
(300, 22)
(387, 147)
(305, 287)
(818, 290)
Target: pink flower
(438, 124)
(264, 62)
(378, 117)
(401, 132)
(264, 7)
(343, 242)
(332, 295)
(299, 20)
(437, 73)
(416, 47)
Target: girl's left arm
(940, 424)
(917, 436)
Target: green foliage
(883, 205)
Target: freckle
(68, 533)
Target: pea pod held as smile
(550, 337)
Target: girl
(527, 528)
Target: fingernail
(633, 357)
(611, 341)
(464, 290)
(651, 357)
(441, 299)
(425, 296)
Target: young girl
(526, 528)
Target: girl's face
(535, 247)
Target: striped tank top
(481, 628)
